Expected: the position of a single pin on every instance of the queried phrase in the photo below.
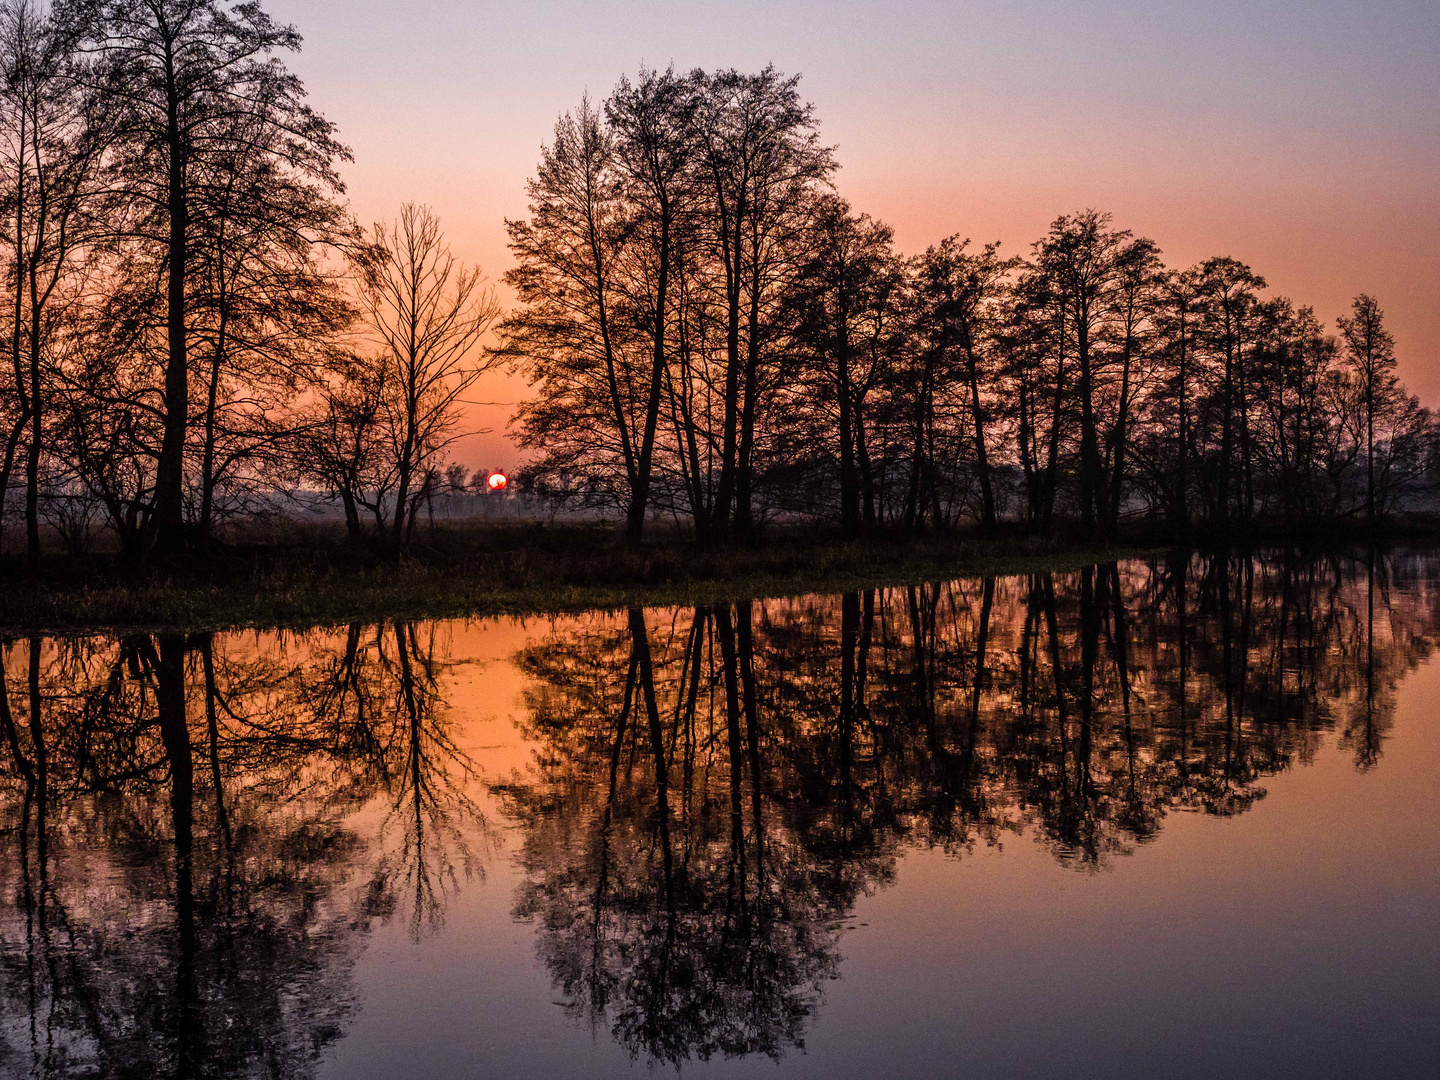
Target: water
(1174, 818)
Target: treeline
(716, 337)
(197, 331)
(195, 327)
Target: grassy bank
(306, 579)
(294, 576)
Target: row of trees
(197, 329)
(715, 335)
(194, 323)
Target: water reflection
(184, 877)
(713, 789)
(200, 831)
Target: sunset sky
(1302, 138)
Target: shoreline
(549, 570)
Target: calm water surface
(1171, 818)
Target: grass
(307, 578)
(300, 576)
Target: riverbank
(309, 578)
(312, 580)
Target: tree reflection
(664, 903)
(186, 884)
(713, 789)
(199, 830)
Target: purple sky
(1301, 138)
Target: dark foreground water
(1169, 819)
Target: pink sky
(1303, 139)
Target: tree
(53, 151)
(957, 295)
(844, 298)
(566, 334)
(267, 307)
(664, 233)
(1082, 256)
(1370, 353)
(1177, 316)
(189, 85)
(1228, 288)
(653, 125)
(338, 444)
(760, 160)
(424, 315)
(1034, 348)
(1138, 274)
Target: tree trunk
(1370, 448)
(352, 515)
(170, 468)
(1121, 439)
(849, 483)
(725, 492)
(744, 470)
(866, 469)
(982, 459)
(21, 383)
(1227, 442)
(640, 490)
(7, 465)
(1182, 507)
(1052, 457)
(207, 464)
(1089, 443)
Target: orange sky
(1302, 138)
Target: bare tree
(1370, 353)
(186, 83)
(1138, 273)
(1081, 255)
(956, 297)
(425, 314)
(267, 305)
(567, 334)
(845, 316)
(337, 443)
(761, 160)
(653, 122)
(1228, 288)
(52, 151)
